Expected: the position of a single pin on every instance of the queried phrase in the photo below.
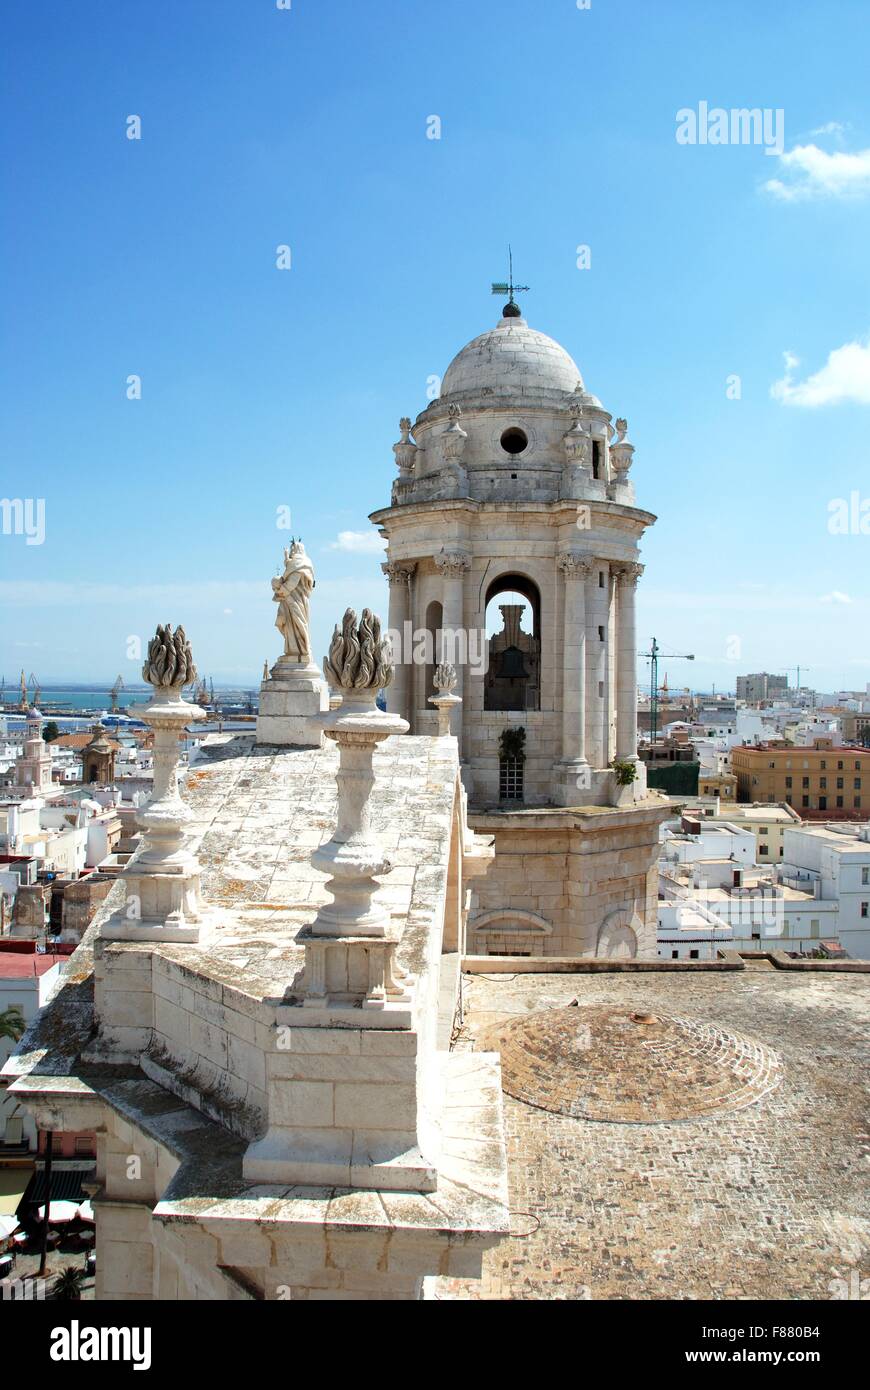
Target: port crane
(115, 691)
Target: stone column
(608, 703)
(575, 571)
(453, 567)
(399, 699)
(163, 879)
(627, 575)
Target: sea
(88, 701)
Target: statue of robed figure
(291, 591)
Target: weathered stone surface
(763, 1202)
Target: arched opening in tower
(434, 618)
(513, 627)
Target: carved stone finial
(454, 438)
(445, 679)
(405, 450)
(169, 663)
(621, 430)
(359, 657)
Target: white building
(28, 979)
(835, 861)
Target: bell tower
(512, 554)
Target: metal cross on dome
(510, 288)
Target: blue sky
(264, 388)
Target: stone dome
(511, 359)
(601, 1063)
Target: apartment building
(824, 782)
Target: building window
(601, 579)
(788, 782)
(865, 909)
(865, 875)
(839, 803)
(814, 926)
(693, 955)
(762, 849)
(839, 783)
(823, 783)
(600, 633)
(596, 459)
(823, 803)
(513, 441)
(675, 955)
(805, 781)
(857, 784)
(839, 767)
(510, 779)
(823, 764)
(805, 801)
(856, 801)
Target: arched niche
(617, 935)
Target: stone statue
(291, 591)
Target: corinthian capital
(452, 563)
(626, 571)
(574, 565)
(398, 571)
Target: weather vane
(512, 309)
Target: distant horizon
(70, 686)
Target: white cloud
(359, 542)
(830, 128)
(845, 377)
(810, 172)
(835, 596)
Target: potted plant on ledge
(625, 775)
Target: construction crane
(652, 656)
(23, 689)
(115, 691)
(796, 672)
(34, 685)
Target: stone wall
(578, 873)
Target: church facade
(515, 485)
